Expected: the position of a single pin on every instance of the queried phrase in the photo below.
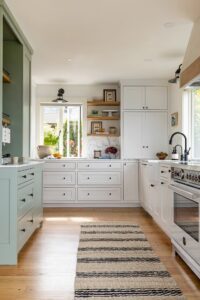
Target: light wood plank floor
(47, 264)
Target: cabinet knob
(24, 230)
(31, 221)
(143, 107)
(152, 185)
(88, 194)
(125, 164)
(110, 166)
(162, 182)
(147, 146)
(110, 194)
(31, 194)
(162, 172)
(24, 176)
(110, 178)
(64, 178)
(88, 166)
(169, 171)
(32, 174)
(64, 194)
(143, 146)
(64, 166)
(88, 178)
(23, 200)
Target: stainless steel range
(185, 185)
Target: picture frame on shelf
(96, 126)
(174, 119)
(97, 153)
(110, 95)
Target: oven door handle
(183, 193)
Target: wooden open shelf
(6, 78)
(102, 134)
(101, 118)
(102, 103)
(6, 121)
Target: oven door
(186, 219)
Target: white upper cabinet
(144, 98)
(156, 98)
(134, 97)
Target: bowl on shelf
(161, 155)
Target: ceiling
(95, 41)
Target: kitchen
(81, 148)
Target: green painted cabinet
(21, 210)
(15, 97)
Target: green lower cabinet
(21, 211)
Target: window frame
(61, 123)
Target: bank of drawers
(25, 175)
(82, 181)
(25, 200)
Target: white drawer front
(165, 171)
(59, 178)
(25, 199)
(99, 166)
(89, 178)
(59, 166)
(58, 195)
(99, 194)
(25, 175)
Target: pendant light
(59, 98)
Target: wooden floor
(47, 264)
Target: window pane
(71, 131)
(51, 126)
(196, 122)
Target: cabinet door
(166, 197)
(133, 97)
(133, 135)
(131, 181)
(156, 97)
(155, 137)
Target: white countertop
(28, 164)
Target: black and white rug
(115, 261)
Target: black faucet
(184, 157)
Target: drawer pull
(64, 194)
(110, 178)
(64, 178)
(184, 241)
(162, 172)
(64, 166)
(110, 194)
(169, 171)
(31, 221)
(31, 194)
(162, 182)
(110, 166)
(152, 185)
(88, 166)
(24, 176)
(88, 194)
(88, 178)
(23, 200)
(32, 174)
(23, 230)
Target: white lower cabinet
(156, 198)
(91, 183)
(131, 181)
(59, 178)
(98, 178)
(99, 194)
(59, 195)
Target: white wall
(79, 94)
(175, 105)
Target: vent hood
(190, 74)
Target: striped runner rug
(115, 261)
